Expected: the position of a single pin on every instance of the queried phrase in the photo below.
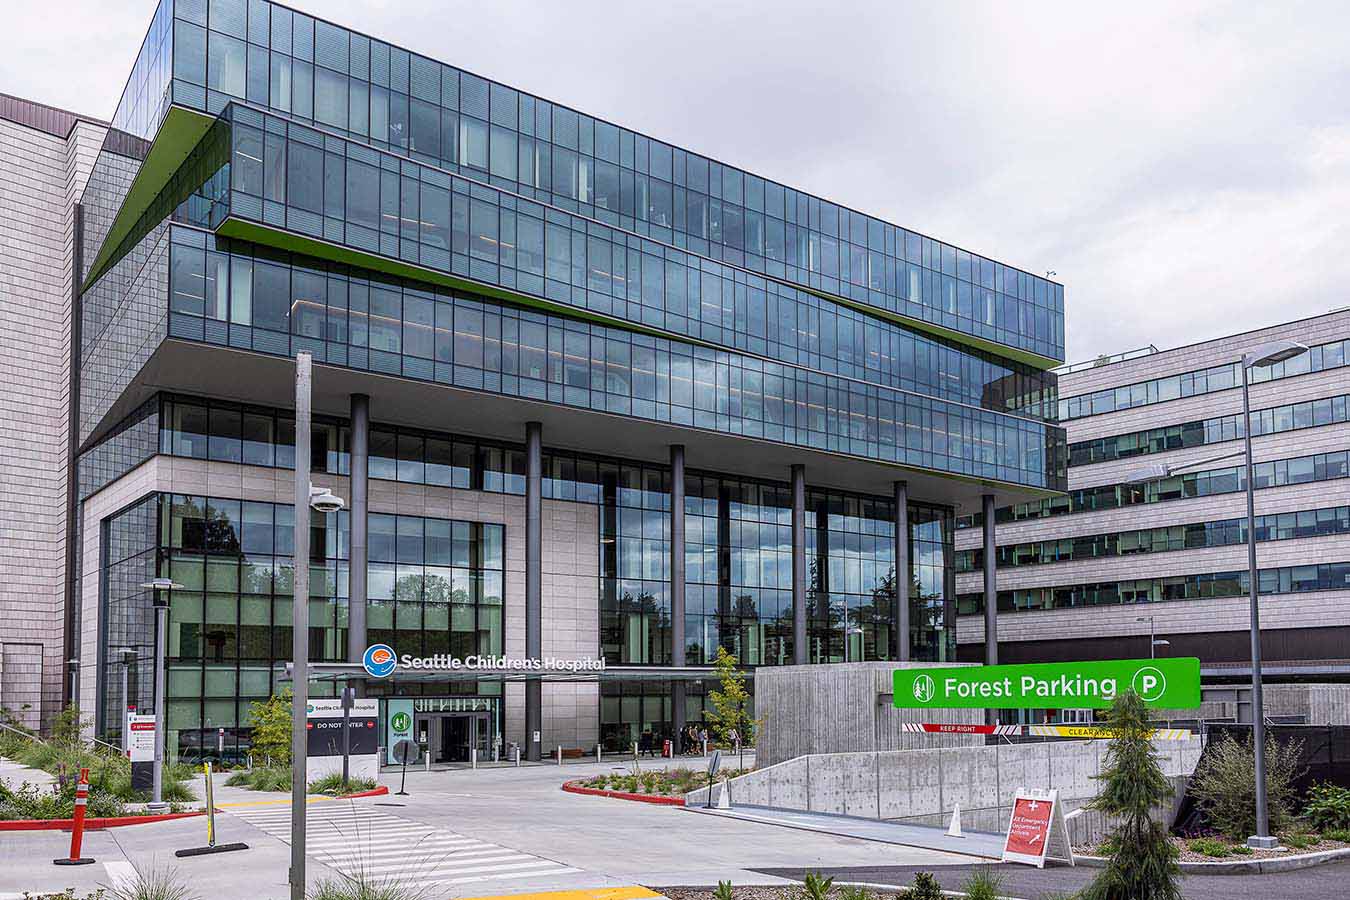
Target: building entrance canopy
(339, 672)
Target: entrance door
(456, 737)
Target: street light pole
(300, 622)
(1261, 357)
(1263, 837)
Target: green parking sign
(1167, 683)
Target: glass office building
(591, 394)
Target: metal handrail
(21, 733)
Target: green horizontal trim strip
(1035, 360)
(271, 236)
(178, 135)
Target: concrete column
(677, 576)
(799, 648)
(360, 511)
(534, 581)
(990, 585)
(900, 621)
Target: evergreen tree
(1142, 861)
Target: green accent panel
(1171, 683)
(268, 235)
(179, 133)
(1023, 356)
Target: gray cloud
(1184, 167)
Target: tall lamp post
(1153, 642)
(1260, 357)
(159, 586)
(307, 497)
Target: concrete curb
(90, 824)
(1242, 866)
(373, 792)
(572, 787)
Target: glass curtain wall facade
(275, 184)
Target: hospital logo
(379, 660)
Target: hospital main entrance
(451, 728)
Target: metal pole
(799, 648)
(1152, 639)
(157, 804)
(990, 595)
(901, 617)
(300, 623)
(1263, 837)
(346, 737)
(125, 669)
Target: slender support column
(677, 638)
(990, 585)
(901, 613)
(360, 458)
(534, 582)
(300, 623)
(799, 648)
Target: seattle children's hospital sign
(1166, 683)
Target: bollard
(705, 748)
(560, 755)
(597, 753)
(77, 830)
(426, 763)
(473, 757)
(211, 845)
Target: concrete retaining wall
(921, 786)
(842, 708)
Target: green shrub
(332, 784)
(982, 884)
(816, 887)
(1337, 834)
(270, 720)
(723, 891)
(1328, 807)
(925, 887)
(29, 801)
(1240, 850)
(1224, 785)
(1207, 846)
(364, 887)
(1297, 840)
(154, 883)
(856, 892)
(261, 779)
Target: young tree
(1143, 860)
(730, 701)
(271, 723)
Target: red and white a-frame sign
(1036, 829)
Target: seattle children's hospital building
(587, 396)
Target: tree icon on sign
(924, 689)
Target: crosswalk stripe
(376, 846)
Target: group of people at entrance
(690, 741)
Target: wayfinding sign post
(1166, 683)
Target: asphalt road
(1328, 882)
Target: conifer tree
(1142, 861)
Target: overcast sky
(1183, 167)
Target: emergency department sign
(1165, 683)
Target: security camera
(324, 500)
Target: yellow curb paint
(631, 892)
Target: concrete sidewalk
(977, 844)
(14, 775)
